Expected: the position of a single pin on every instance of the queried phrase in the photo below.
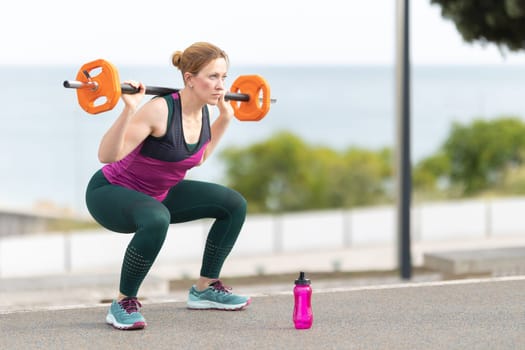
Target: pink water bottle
(302, 311)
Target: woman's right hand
(133, 100)
(128, 130)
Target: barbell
(249, 94)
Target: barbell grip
(159, 91)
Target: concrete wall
(16, 223)
(46, 253)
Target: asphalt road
(467, 314)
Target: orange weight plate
(258, 89)
(107, 93)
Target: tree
(430, 170)
(501, 22)
(284, 173)
(481, 152)
(272, 175)
(366, 178)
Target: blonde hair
(196, 56)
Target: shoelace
(219, 287)
(130, 304)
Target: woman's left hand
(133, 100)
(225, 108)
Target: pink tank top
(159, 163)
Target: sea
(48, 144)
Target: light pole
(403, 167)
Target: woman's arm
(219, 126)
(132, 126)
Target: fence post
(277, 233)
(488, 218)
(67, 251)
(417, 222)
(347, 228)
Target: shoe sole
(211, 305)
(110, 319)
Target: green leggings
(126, 211)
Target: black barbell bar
(150, 90)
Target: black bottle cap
(301, 280)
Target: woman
(142, 189)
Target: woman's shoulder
(155, 106)
(155, 112)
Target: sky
(272, 32)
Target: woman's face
(208, 84)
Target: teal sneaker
(217, 297)
(125, 314)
